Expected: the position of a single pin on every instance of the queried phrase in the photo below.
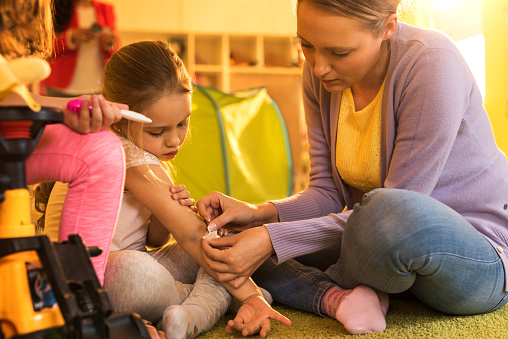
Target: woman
(408, 190)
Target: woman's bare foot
(363, 311)
(384, 302)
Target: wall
(494, 28)
(218, 16)
(496, 72)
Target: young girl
(167, 282)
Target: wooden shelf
(266, 70)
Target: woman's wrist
(267, 213)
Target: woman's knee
(391, 213)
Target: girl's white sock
(204, 305)
(185, 321)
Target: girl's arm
(158, 234)
(187, 228)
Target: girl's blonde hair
(26, 28)
(370, 13)
(141, 73)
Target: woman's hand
(235, 258)
(220, 210)
(254, 316)
(103, 114)
(180, 193)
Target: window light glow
(444, 4)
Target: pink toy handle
(75, 106)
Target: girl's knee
(125, 266)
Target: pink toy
(75, 106)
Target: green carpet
(405, 319)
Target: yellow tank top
(359, 143)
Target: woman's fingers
(217, 253)
(209, 207)
(96, 117)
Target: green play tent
(238, 145)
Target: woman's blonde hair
(26, 28)
(370, 13)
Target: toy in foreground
(16, 74)
(75, 106)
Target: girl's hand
(152, 331)
(236, 258)
(104, 113)
(254, 316)
(180, 193)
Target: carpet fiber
(405, 319)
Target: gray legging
(149, 282)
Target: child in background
(82, 49)
(165, 283)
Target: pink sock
(331, 301)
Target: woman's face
(170, 123)
(340, 52)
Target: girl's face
(170, 123)
(340, 52)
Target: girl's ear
(121, 128)
(390, 26)
(117, 128)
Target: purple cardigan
(436, 139)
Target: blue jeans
(396, 241)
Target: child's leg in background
(136, 282)
(94, 166)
